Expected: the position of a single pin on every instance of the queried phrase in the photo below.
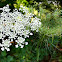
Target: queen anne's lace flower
(15, 27)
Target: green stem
(52, 38)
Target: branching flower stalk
(16, 26)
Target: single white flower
(26, 43)
(2, 49)
(31, 33)
(16, 46)
(8, 49)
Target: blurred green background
(44, 46)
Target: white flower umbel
(15, 26)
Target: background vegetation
(45, 46)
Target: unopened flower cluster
(16, 26)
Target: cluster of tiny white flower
(16, 26)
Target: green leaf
(9, 58)
(3, 53)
